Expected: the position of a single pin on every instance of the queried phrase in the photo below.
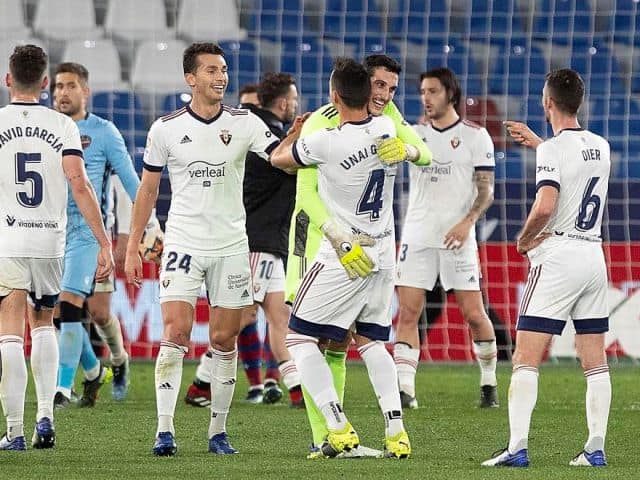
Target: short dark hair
(379, 60)
(190, 56)
(28, 64)
(566, 88)
(351, 82)
(71, 67)
(449, 82)
(273, 86)
(248, 88)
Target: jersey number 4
(371, 199)
(589, 207)
(32, 197)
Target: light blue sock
(88, 358)
(70, 350)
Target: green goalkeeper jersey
(310, 213)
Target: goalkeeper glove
(392, 150)
(152, 243)
(348, 247)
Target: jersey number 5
(33, 198)
(589, 207)
(371, 199)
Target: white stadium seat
(101, 58)
(204, 20)
(137, 20)
(12, 24)
(66, 19)
(158, 67)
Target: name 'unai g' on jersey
(441, 194)
(354, 184)
(33, 189)
(577, 163)
(206, 159)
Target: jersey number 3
(32, 197)
(589, 207)
(371, 199)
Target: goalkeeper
(310, 218)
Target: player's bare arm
(282, 157)
(142, 207)
(85, 198)
(522, 134)
(484, 181)
(532, 234)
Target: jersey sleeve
(123, 207)
(155, 152)
(119, 158)
(311, 150)
(318, 121)
(482, 152)
(263, 141)
(307, 197)
(407, 134)
(547, 166)
(71, 142)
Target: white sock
(406, 359)
(44, 366)
(487, 354)
(111, 333)
(93, 373)
(13, 386)
(523, 394)
(203, 372)
(290, 375)
(316, 378)
(168, 377)
(384, 378)
(598, 405)
(224, 368)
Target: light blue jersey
(104, 154)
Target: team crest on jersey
(225, 136)
(455, 142)
(166, 282)
(85, 141)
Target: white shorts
(328, 303)
(41, 277)
(419, 267)
(267, 272)
(567, 280)
(227, 279)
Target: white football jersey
(354, 184)
(206, 161)
(441, 194)
(33, 187)
(577, 163)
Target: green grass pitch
(449, 435)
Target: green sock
(338, 367)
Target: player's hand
(348, 247)
(522, 134)
(523, 246)
(105, 264)
(133, 268)
(455, 238)
(296, 126)
(152, 243)
(391, 150)
(120, 252)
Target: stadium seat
(519, 70)
(200, 20)
(136, 21)
(484, 111)
(174, 101)
(66, 19)
(278, 19)
(532, 113)
(124, 109)
(12, 24)
(243, 62)
(351, 19)
(563, 20)
(101, 59)
(419, 20)
(598, 68)
(626, 23)
(6, 49)
(618, 120)
(489, 18)
(158, 67)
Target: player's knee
(409, 314)
(301, 346)
(224, 339)
(174, 332)
(476, 317)
(70, 312)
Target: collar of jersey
(447, 128)
(26, 104)
(204, 120)
(576, 129)
(358, 122)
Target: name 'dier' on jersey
(442, 193)
(206, 160)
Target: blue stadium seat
(519, 69)
(380, 45)
(454, 54)
(417, 19)
(308, 57)
(618, 120)
(488, 18)
(532, 113)
(347, 19)
(124, 109)
(563, 20)
(174, 101)
(626, 23)
(276, 20)
(243, 61)
(598, 68)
